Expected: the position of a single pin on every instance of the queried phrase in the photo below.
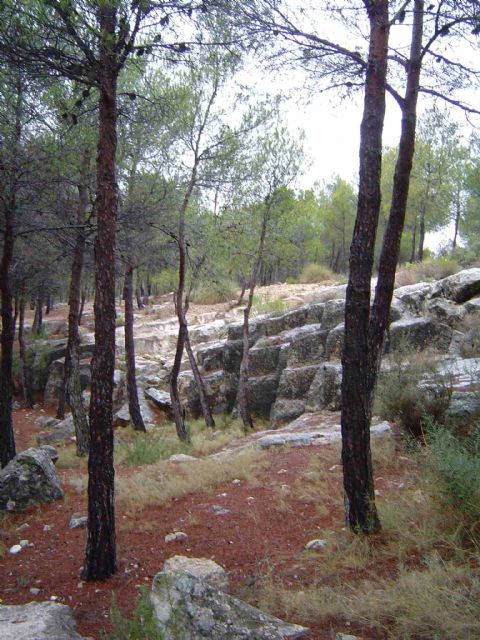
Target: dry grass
(440, 601)
(68, 459)
(164, 481)
(431, 269)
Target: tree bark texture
(7, 336)
(360, 510)
(358, 479)
(22, 348)
(38, 316)
(133, 404)
(100, 555)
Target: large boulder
(417, 334)
(216, 391)
(55, 379)
(325, 390)
(307, 345)
(122, 417)
(56, 432)
(286, 409)
(262, 392)
(160, 399)
(333, 313)
(37, 621)
(446, 311)
(210, 357)
(29, 479)
(413, 296)
(188, 607)
(295, 382)
(460, 287)
(335, 339)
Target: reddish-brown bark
(100, 555)
(360, 510)
(133, 404)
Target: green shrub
(214, 292)
(403, 395)
(313, 273)
(291, 280)
(166, 281)
(430, 269)
(272, 307)
(141, 626)
(454, 469)
(148, 448)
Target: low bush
(428, 270)
(313, 273)
(214, 292)
(272, 307)
(146, 448)
(404, 396)
(141, 625)
(454, 469)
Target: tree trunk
(421, 235)
(138, 293)
(38, 317)
(24, 374)
(133, 404)
(100, 555)
(7, 337)
(401, 181)
(242, 393)
(458, 213)
(72, 369)
(360, 510)
(206, 411)
(413, 244)
(82, 306)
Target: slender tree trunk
(421, 235)
(401, 181)
(206, 411)
(133, 404)
(360, 510)
(7, 336)
(413, 244)
(49, 305)
(38, 317)
(138, 293)
(100, 555)
(458, 213)
(24, 373)
(71, 373)
(242, 393)
(82, 306)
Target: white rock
(15, 549)
(312, 545)
(176, 536)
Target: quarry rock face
(295, 357)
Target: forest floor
(254, 518)
(294, 496)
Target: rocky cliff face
(295, 357)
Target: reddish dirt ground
(257, 538)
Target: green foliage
(404, 396)
(454, 468)
(146, 448)
(141, 626)
(428, 270)
(214, 292)
(313, 273)
(272, 307)
(166, 281)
